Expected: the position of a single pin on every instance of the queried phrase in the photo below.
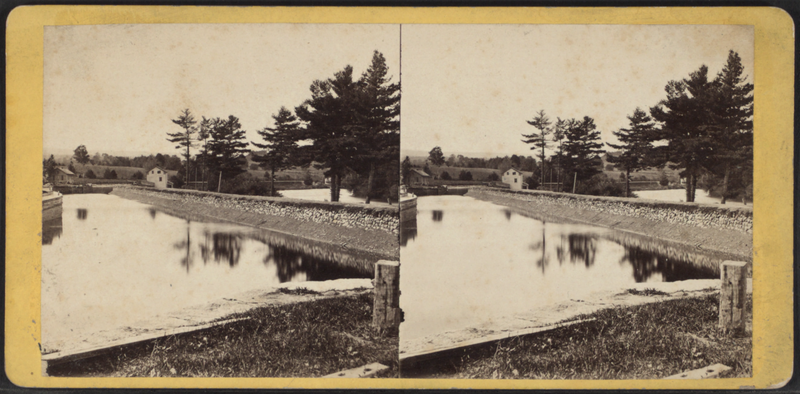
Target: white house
(158, 176)
(513, 177)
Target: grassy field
(651, 341)
(310, 339)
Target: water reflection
(82, 213)
(647, 264)
(51, 229)
(582, 248)
(508, 261)
(543, 260)
(408, 230)
(143, 263)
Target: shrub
(494, 177)
(601, 185)
(307, 180)
(664, 181)
(532, 182)
(245, 184)
(89, 174)
(177, 182)
(137, 175)
(464, 176)
(445, 176)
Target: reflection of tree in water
(291, 263)
(221, 247)
(544, 260)
(51, 229)
(438, 215)
(408, 231)
(582, 247)
(82, 213)
(186, 260)
(646, 264)
(226, 247)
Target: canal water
(325, 195)
(466, 261)
(678, 195)
(108, 262)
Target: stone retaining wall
(687, 214)
(338, 214)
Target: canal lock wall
(370, 232)
(723, 231)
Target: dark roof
(65, 170)
(420, 172)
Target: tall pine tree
(541, 122)
(279, 143)
(184, 139)
(582, 149)
(634, 145)
(733, 129)
(227, 147)
(686, 120)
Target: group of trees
(704, 128)
(349, 127)
(578, 150)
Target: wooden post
(732, 293)
(386, 314)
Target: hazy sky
(471, 88)
(115, 88)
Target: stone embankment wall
(715, 228)
(338, 214)
(706, 216)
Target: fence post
(386, 314)
(732, 293)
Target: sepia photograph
(220, 200)
(399, 197)
(577, 201)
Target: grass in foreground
(644, 342)
(309, 339)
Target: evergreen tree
(279, 143)
(378, 127)
(405, 170)
(49, 168)
(582, 148)
(635, 145)
(330, 119)
(733, 131)
(227, 147)
(542, 123)
(686, 119)
(184, 139)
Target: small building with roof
(159, 177)
(417, 177)
(513, 178)
(63, 176)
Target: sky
(115, 88)
(471, 88)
